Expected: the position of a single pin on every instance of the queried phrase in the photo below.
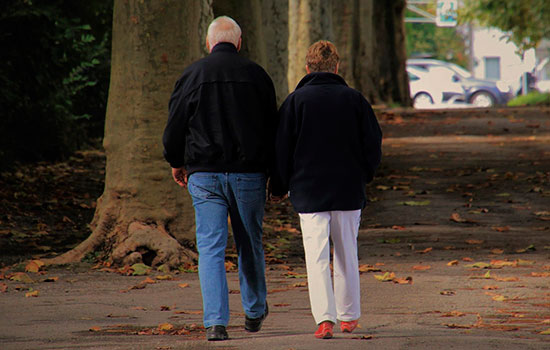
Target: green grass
(531, 99)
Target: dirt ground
(454, 245)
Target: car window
(412, 77)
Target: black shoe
(255, 324)
(216, 332)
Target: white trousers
(343, 301)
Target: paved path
(455, 190)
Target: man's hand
(180, 176)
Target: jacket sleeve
(174, 134)
(285, 143)
(371, 140)
(272, 123)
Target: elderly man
(219, 140)
(328, 147)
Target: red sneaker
(348, 326)
(325, 330)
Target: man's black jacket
(328, 145)
(222, 115)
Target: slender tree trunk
(143, 215)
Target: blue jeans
(242, 197)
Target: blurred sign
(446, 13)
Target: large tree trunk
(248, 14)
(275, 28)
(345, 20)
(308, 22)
(143, 215)
(381, 73)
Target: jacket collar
(318, 78)
(224, 47)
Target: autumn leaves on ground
(455, 235)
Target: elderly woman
(327, 149)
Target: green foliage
(446, 44)
(54, 76)
(531, 99)
(525, 21)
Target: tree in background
(442, 43)
(526, 22)
(53, 77)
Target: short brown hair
(322, 56)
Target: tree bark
(380, 72)
(275, 27)
(248, 14)
(308, 22)
(143, 215)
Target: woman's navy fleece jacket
(328, 145)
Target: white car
(435, 87)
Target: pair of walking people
(224, 138)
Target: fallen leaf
(501, 263)
(459, 326)
(425, 251)
(447, 292)
(183, 285)
(486, 276)
(3, 287)
(140, 269)
(34, 266)
(506, 279)
(387, 277)
(454, 313)
(540, 274)
(421, 267)
(497, 251)
(546, 332)
(501, 228)
(457, 218)
(34, 294)
(164, 277)
(165, 327)
(479, 265)
(415, 203)
(452, 263)
(474, 241)
(229, 266)
(522, 262)
(364, 337)
(490, 287)
(21, 277)
(406, 280)
(397, 227)
(196, 312)
(281, 305)
(299, 285)
(499, 298)
(95, 329)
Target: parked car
(433, 88)
(479, 92)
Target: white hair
(223, 29)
